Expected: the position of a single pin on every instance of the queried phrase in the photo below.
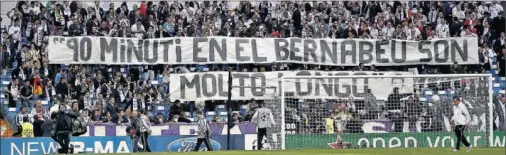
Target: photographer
(62, 128)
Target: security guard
(27, 128)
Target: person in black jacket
(176, 111)
(76, 29)
(412, 111)
(62, 128)
(502, 63)
(26, 95)
(394, 104)
(113, 109)
(62, 89)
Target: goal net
(387, 111)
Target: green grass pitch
(396, 151)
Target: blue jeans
(136, 143)
(26, 103)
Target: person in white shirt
(456, 12)
(460, 120)
(264, 119)
(442, 29)
(138, 30)
(15, 32)
(495, 9)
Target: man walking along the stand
(460, 120)
(203, 133)
(62, 128)
(139, 130)
(264, 119)
(145, 131)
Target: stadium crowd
(105, 94)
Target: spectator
(412, 109)
(237, 119)
(62, 89)
(500, 112)
(501, 65)
(113, 110)
(15, 32)
(13, 92)
(26, 94)
(40, 115)
(499, 43)
(394, 105)
(341, 117)
(456, 69)
(159, 119)
(127, 116)
(371, 106)
(176, 113)
(97, 115)
(138, 30)
(19, 120)
(19, 73)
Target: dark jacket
(62, 90)
(47, 128)
(136, 125)
(63, 119)
(113, 110)
(175, 110)
(394, 101)
(76, 29)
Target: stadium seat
(162, 109)
(160, 79)
(187, 114)
(243, 109)
(220, 108)
(204, 68)
(497, 85)
(5, 107)
(223, 116)
(12, 112)
(154, 82)
(210, 115)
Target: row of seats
(499, 83)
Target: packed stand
(107, 94)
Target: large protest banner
(266, 85)
(216, 50)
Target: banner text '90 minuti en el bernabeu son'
(217, 50)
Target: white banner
(228, 50)
(265, 85)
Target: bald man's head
(135, 113)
